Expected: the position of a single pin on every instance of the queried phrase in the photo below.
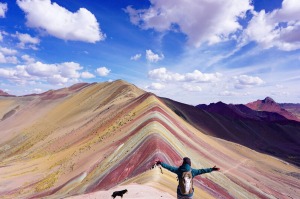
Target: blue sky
(193, 51)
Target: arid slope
(106, 135)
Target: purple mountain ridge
(263, 131)
(269, 105)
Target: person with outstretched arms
(185, 174)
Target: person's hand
(158, 162)
(215, 168)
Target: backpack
(186, 183)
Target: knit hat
(187, 160)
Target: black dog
(119, 193)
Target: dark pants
(184, 197)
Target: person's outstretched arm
(166, 166)
(202, 171)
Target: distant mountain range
(2, 93)
(269, 105)
(292, 108)
(92, 137)
(268, 132)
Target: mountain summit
(268, 100)
(269, 105)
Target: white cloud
(70, 69)
(5, 55)
(3, 9)
(57, 79)
(7, 73)
(1, 34)
(215, 21)
(102, 71)
(162, 74)
(22, 74)
(191, 88)
(37, 90)
(61, 73)
(156, 86)
(8, 51)
(12, 59)
(201, 20)
(245, 81)
(60, 22)
(232, 93)
(28, 59)
(279, 28)
(152, 57)
(136, 57)
(55, 72)
(17, 74)
(198, 76)
(42, 70)
(27, 41)
(289, 11)
(2, 58)
(228, 93)
(8, 59)
(87, 75)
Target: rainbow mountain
(91, 138)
